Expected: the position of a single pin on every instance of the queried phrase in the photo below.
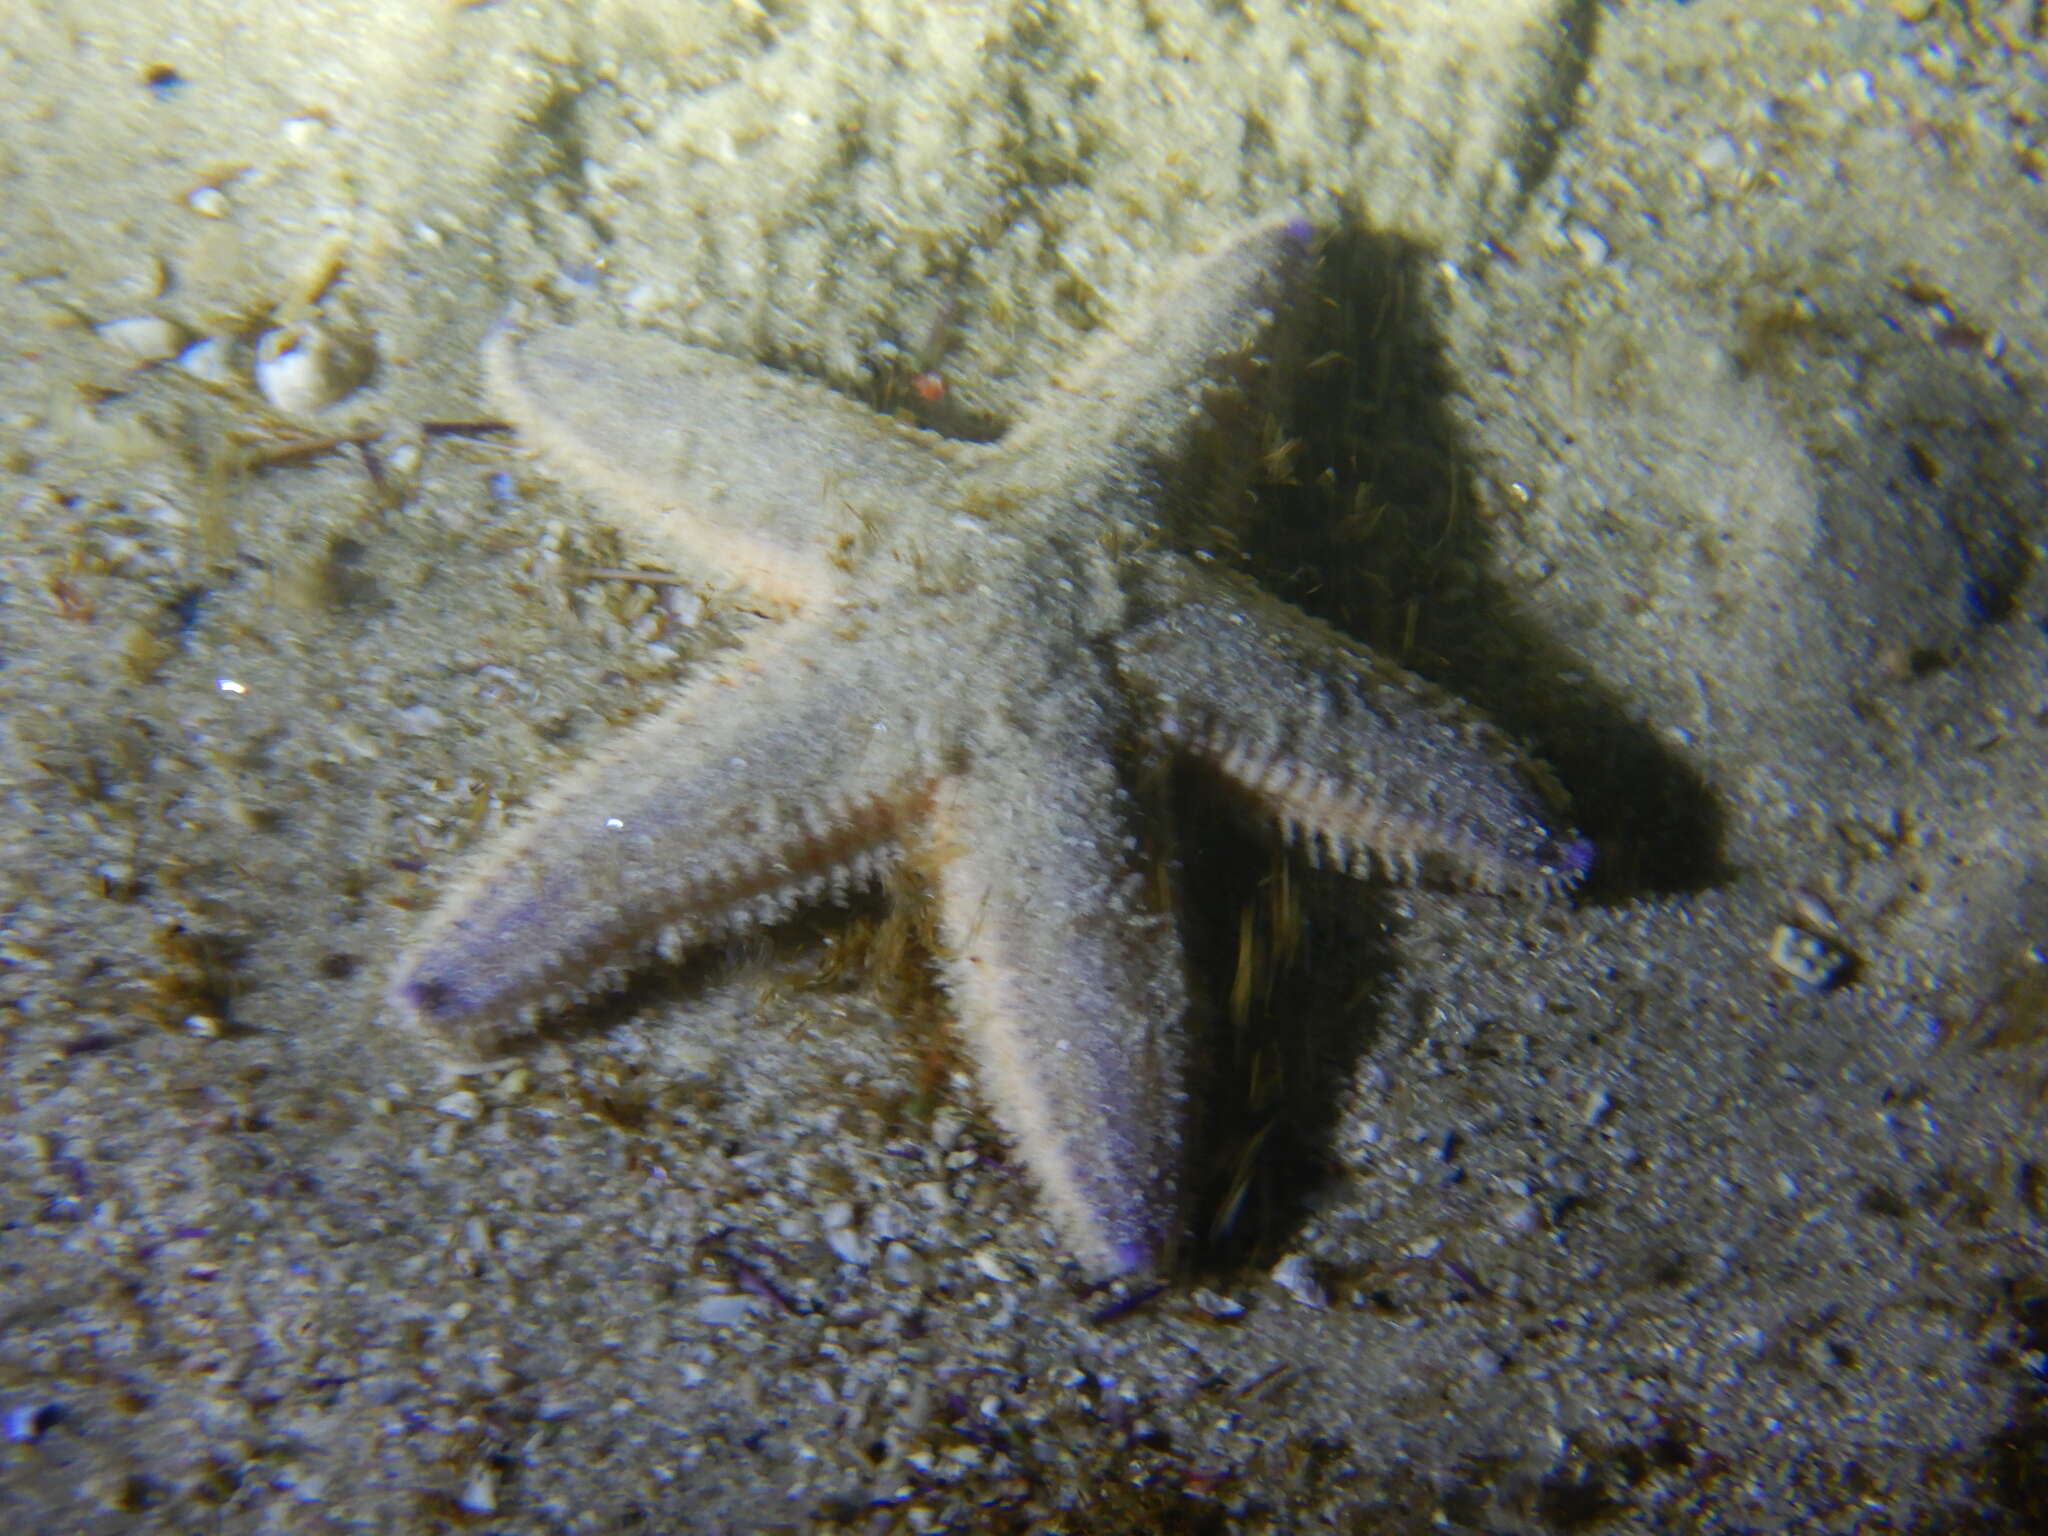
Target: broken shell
(319, 272)
(302, 368)
(144, 338)
(1812, 961)
(150, 281)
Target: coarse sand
(1671, 387)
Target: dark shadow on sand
(1367, 518)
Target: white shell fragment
(151, 280)
(207, 361)
(480, 1493)
(1807, 958)
(1225, 1309)
(303, 368)
(1295, 1275)
(1587, 242)
(142, 338)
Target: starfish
(977, 645)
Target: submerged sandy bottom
(1671, 389)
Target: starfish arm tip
(1132, 1256)
(1575, 858)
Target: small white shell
(144, 338)
(301, 368)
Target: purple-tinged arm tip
(1132, 1257)
(1575, 858)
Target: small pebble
(1222, 1308)
(848, 1246)
(1520, 1217)
(842, 1237)
(207, 202)
(420, 720)
(1717, 155)
(725, 1309)
(903, 1265)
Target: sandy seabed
(1673, 391)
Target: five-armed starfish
(979, 641)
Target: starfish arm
(1133, 397)
(784, 778)
(1068, 979)
(768, 480)
(979, 642)
(1339, 745)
